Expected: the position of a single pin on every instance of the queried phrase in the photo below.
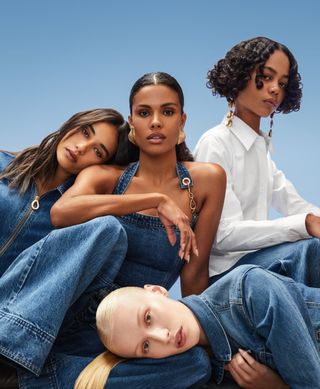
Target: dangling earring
(182, 136)
(230, 114)
(132, 136)
(271, 125)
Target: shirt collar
(244, 133)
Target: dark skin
(158, 120)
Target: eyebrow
(162, 105)
(274, 71)
(138, 323)
(102, 145)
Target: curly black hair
(231, 74)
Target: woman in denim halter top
(164, 201)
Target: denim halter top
(150, 257)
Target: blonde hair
(95, 375)
(105, 311)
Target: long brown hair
(41, 160)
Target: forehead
(279, 62)
(156, 94)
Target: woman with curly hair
(259, 77)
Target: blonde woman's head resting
(137, 322)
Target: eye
(147, 318)
(85, 131)
(168, 112)
(98, 152)
(145, 347)
(143, 113)
(283, 85)
(266, 77)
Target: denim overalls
(150, 259)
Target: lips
(71, 155)
(273, 103)
(157, 136)
(180, 338)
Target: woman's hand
(313, 225)
(171, 215)
(250, 374)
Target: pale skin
(158, 121)
(146, 323)
(81, 148)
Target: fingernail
(187, 258)
(196, 252)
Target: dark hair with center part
(161, 78)
(41, 160)
(231, 74)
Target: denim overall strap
(125, 178)
(185, 179)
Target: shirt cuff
(297, 226)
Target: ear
(183, 120)
(130, 120)
(156, 289)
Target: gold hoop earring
(132, 135)
(182, 136)
(230, 114)
(271, 125)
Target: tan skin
(158, 121)
(81, 148)
(250, 105)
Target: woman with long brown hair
(34, 257)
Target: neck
(44, 185)
(160, 167)
(252, 121)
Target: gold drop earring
(132, 135)
(182, 136)
(230, 114)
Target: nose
(162, 335)
(155, 123)
(274, 89)
(81, 148)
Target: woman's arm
(235, 233)
(210, 184)
(90, 197)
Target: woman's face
(87, 145)
(150, 325)
(253, 103)
(157, 119)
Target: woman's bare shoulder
(205, 170)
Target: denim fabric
(46, 279)
(21, 226)
(298, 260)
(150, 259)
(273, 316)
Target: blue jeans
(50, 284)
(275, 317)
(149, 258)
(298, 260)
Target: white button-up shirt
(254, 184)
